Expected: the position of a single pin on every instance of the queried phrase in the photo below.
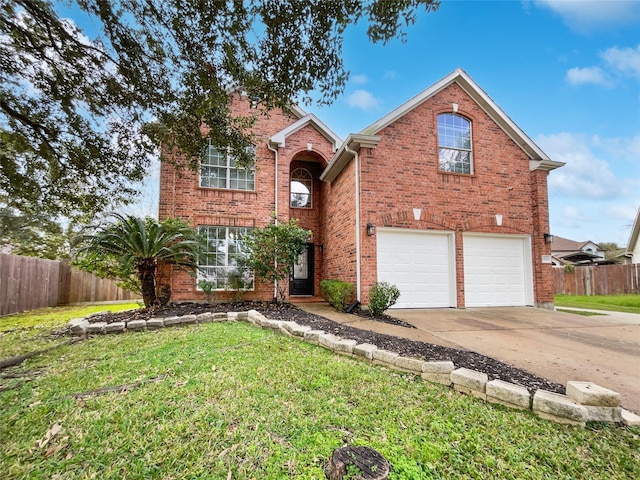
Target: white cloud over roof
(586, 15)
(625, 60)
(593, 75)
(584, 175)
(360, 79)
(364, 100)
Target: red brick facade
(398, 172)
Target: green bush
(339, 294)
(209, 289)
(382, 295)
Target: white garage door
(420, 264)
(497, 271)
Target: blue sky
(567, 72)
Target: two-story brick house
(444, 196)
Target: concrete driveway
(555, 345)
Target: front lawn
(232, 401)
(618, 303)
(29, 331)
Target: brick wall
(339, 232)
(181, 195)
(402, 173)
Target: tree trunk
(147, 277)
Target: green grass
(30, 331)
(617, 303)
(234, 401)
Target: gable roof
(635, 232)
(539, 159)
(279, 139)
(565, 245)
(347, 150)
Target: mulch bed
(495, 369)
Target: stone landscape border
(583, 402)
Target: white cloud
(620, 148)
(586, 15)
(360, 79)
(364, 100)
(619, 62)
(622, 211)
(625, 60)
(390, 74)
(584, 175)
(595, 75)
(572, 217)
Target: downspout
(275, 200)
(357, 166)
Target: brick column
(543, 288)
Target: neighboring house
(444, 196)
(569, 252)
(633, 248)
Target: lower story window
(219, 260)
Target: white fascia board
(279, 139)
(297, 111)
(409, 105)
(635, 233)
(353, 143)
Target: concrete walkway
(554, 345)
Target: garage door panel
(419, 264)
(497, 271)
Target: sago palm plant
(141, 244)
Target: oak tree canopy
(82, 111)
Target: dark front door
(302, 277)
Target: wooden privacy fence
(598, 280)
(27, 283)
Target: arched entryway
(305, 205)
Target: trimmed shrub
(209, 289)
(339, 294)
(382, 295)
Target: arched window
(454, 144)
(301, 188)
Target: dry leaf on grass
(52, 432)
(53, 449)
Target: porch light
(548, 238)
(371, 229)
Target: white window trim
(228, 168)
(309, 206)
(201, 276)
(446, 147)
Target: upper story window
(218, 170)
(301, 188)
(454, 143)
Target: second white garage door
(420, 264)
(497, 270)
